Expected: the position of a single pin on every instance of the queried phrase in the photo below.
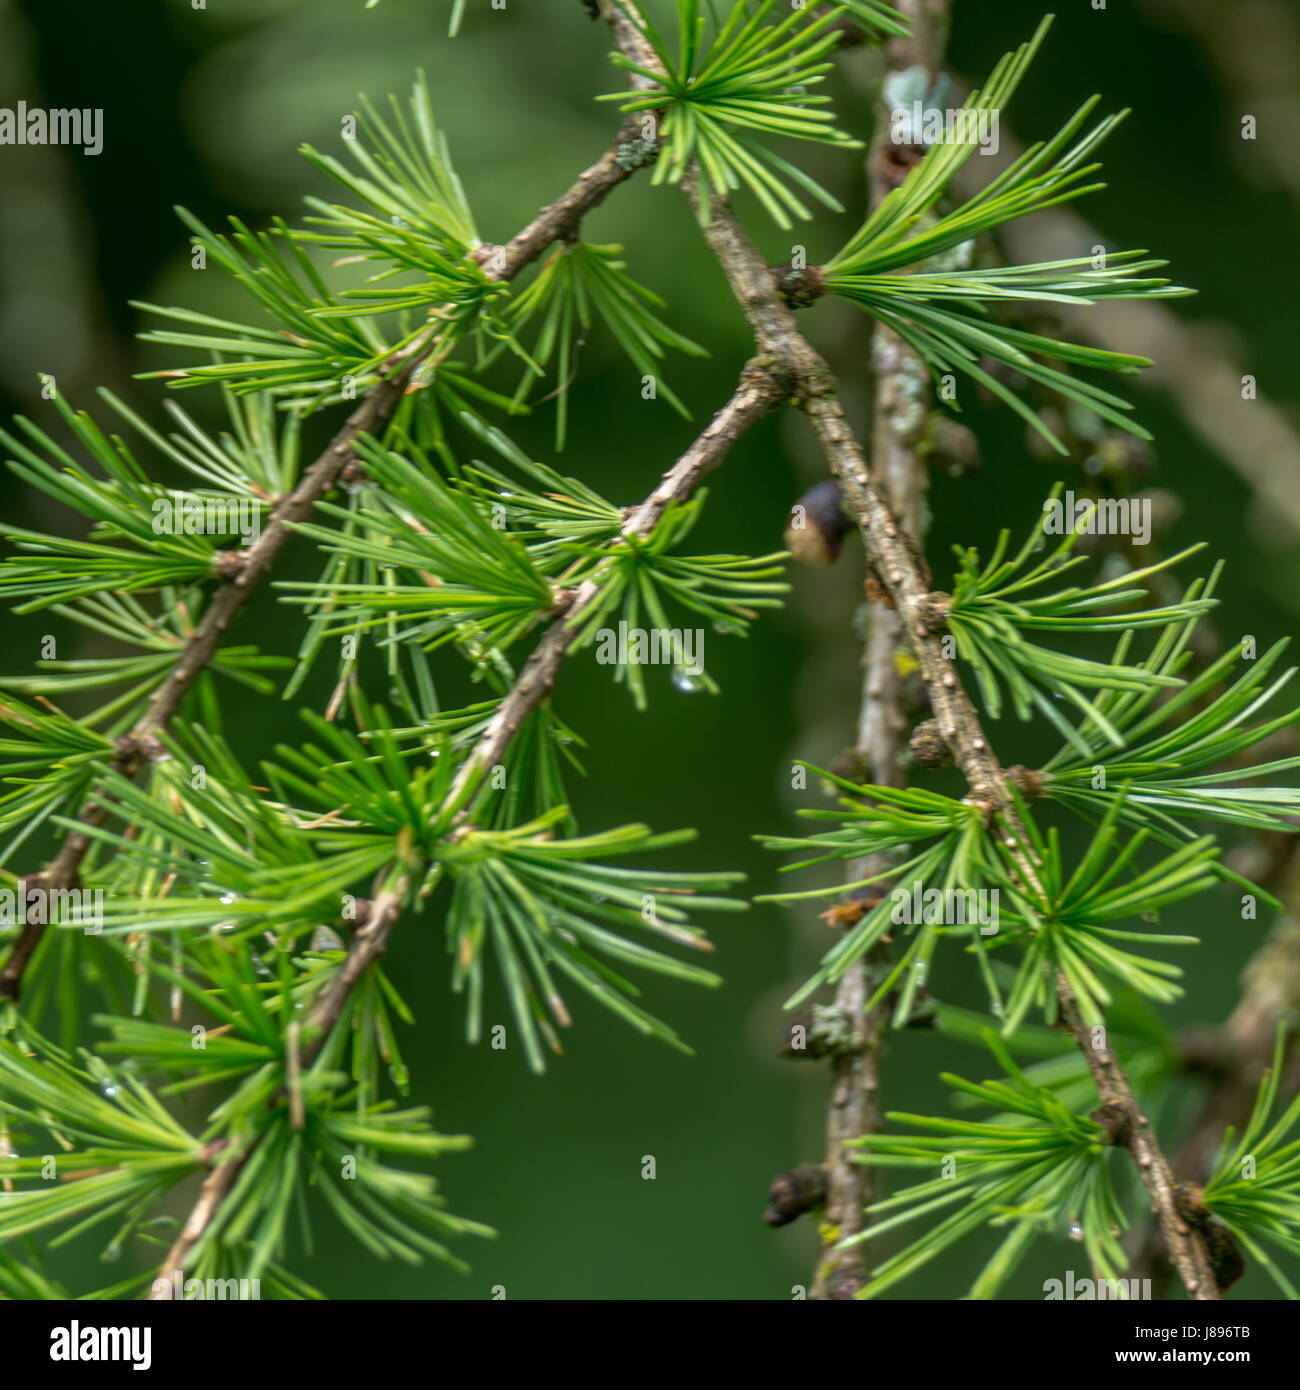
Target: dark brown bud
(1116, 1123)
(818, 525)
(794, 1192)
(1226, 1259)
(1189, 1202)
(933, 611)
(928, 746)
(361, 909)
(798, 286)
(130, 749)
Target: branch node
(824, 1030)
(1226, 1259)
(228, 565)
(795, 1192)
(798, 286)
(136, 748)
(1026, 781)
(1116, 1123)
(932, 611)
(561, 602)
(928, 746)
(635, 154)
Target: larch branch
(763, 386)
(552, 223)
(902, 573)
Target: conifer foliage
(243, 909)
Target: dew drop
(1075, 1231)
(685, 682)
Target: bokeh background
(206, 108)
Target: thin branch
(325, 1013)
(762, 387)
(368, 943)
(215, 1189)
(903, 575)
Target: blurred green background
(206, 108)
